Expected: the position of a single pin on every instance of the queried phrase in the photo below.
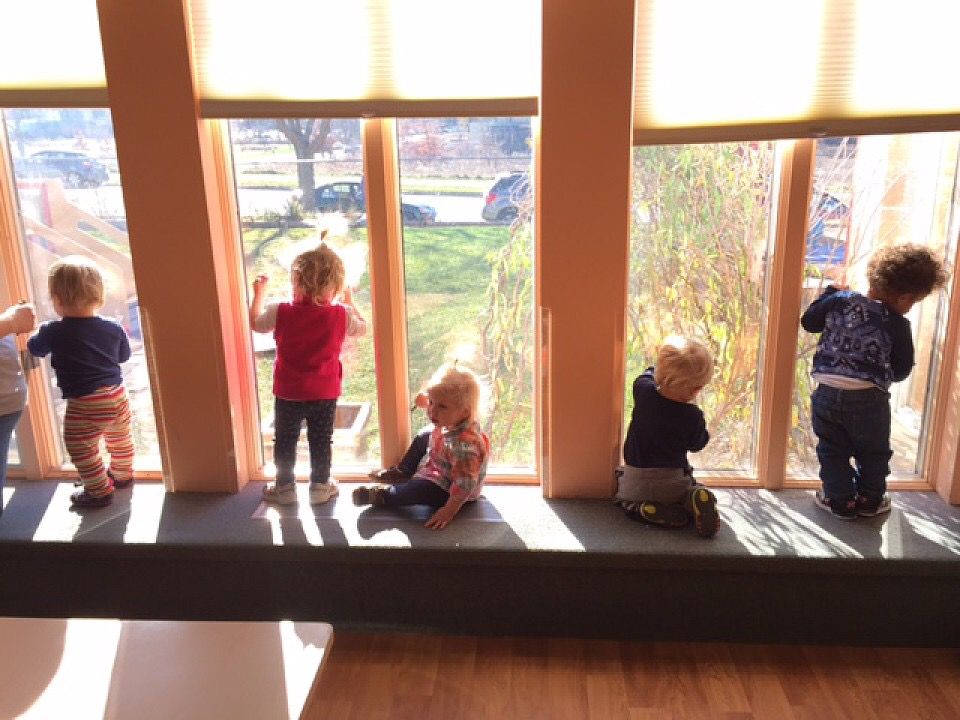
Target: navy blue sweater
(662, 431)
(85, 352)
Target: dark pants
(852, 424)
(415, 453)
(7, 425)
(416, 491)
(288, 418)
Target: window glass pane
(868, 193)
(698, 243)
(292, 178)
(468, 264)
(71, 203)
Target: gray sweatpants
(663, 485)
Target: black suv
(75, 169)
(347, 197)
(507, 197)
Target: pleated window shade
(709, 71)
(366, 58)
(50, 54)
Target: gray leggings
(669, 486)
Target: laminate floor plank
(423, 677)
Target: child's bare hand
(441, 518)
(347, 296)
(260, 284)
(24, 318)
(421, 401)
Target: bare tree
(308, 136)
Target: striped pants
(104, 413)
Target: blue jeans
(7, 424)
(852, 424)
(416, 491)
(410, 462)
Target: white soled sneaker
(285, 494)
(323, 492)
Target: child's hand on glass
(260, 284)
(421, 401)
(348, 295)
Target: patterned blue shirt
(860, 338)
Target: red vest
(309, 338)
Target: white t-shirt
(13, 387)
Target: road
(107, 201)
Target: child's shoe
(871, 507)
(121, 484)
(843, 509)
(390, 476)
(285, 494)
(323, 492)
(671, 516)
(705, 513)
(374, 495)
(81, 498)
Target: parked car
(347, 197)
(506, 197)
(75, 169)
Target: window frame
(587, 63)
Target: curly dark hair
(905, 269)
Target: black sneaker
(82, 498)
(365, 495)
(390, 476)
(843, 509)
(671, 516)
(705, 512)
(361, 496)
(871, 507)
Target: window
(70, 201)
(698, 249)
(870, 192)
(294, 176)
(468, 263)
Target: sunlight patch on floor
(780, 526)
(532, 519)
(146, 509)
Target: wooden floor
(369, 677)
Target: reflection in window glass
(292, 178)
(468, 264)
(68, 187)
(698, 243)
(871, 192)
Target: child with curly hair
(309, 332)
(865, 345)
(456, 463)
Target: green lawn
(447, 271)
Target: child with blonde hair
(309, 332)
(456, 463)
(656, 484)
(865, 345)
(86, 351)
